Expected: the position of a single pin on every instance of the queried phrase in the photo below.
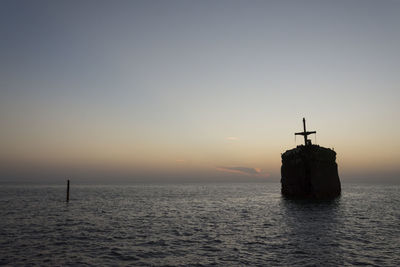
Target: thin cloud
(232, 138)
(240, 170)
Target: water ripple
(197, 225)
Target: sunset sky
(196, 90)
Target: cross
(305, 133)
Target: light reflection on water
(313, 232)
(187, 224)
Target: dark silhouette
(310, 171)
(68, 191)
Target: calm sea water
(197, 224)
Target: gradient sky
(196, 90)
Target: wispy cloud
(241, 170)
(232, 138)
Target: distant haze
(196, 90)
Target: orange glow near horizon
(193, 89)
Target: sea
(223, 224)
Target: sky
(108, 91)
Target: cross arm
(306, 133)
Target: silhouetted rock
(310, 171)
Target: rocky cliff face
(310, 172)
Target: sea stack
(310, 171)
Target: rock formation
(310, 171)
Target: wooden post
(305, 131)
(68, 191)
